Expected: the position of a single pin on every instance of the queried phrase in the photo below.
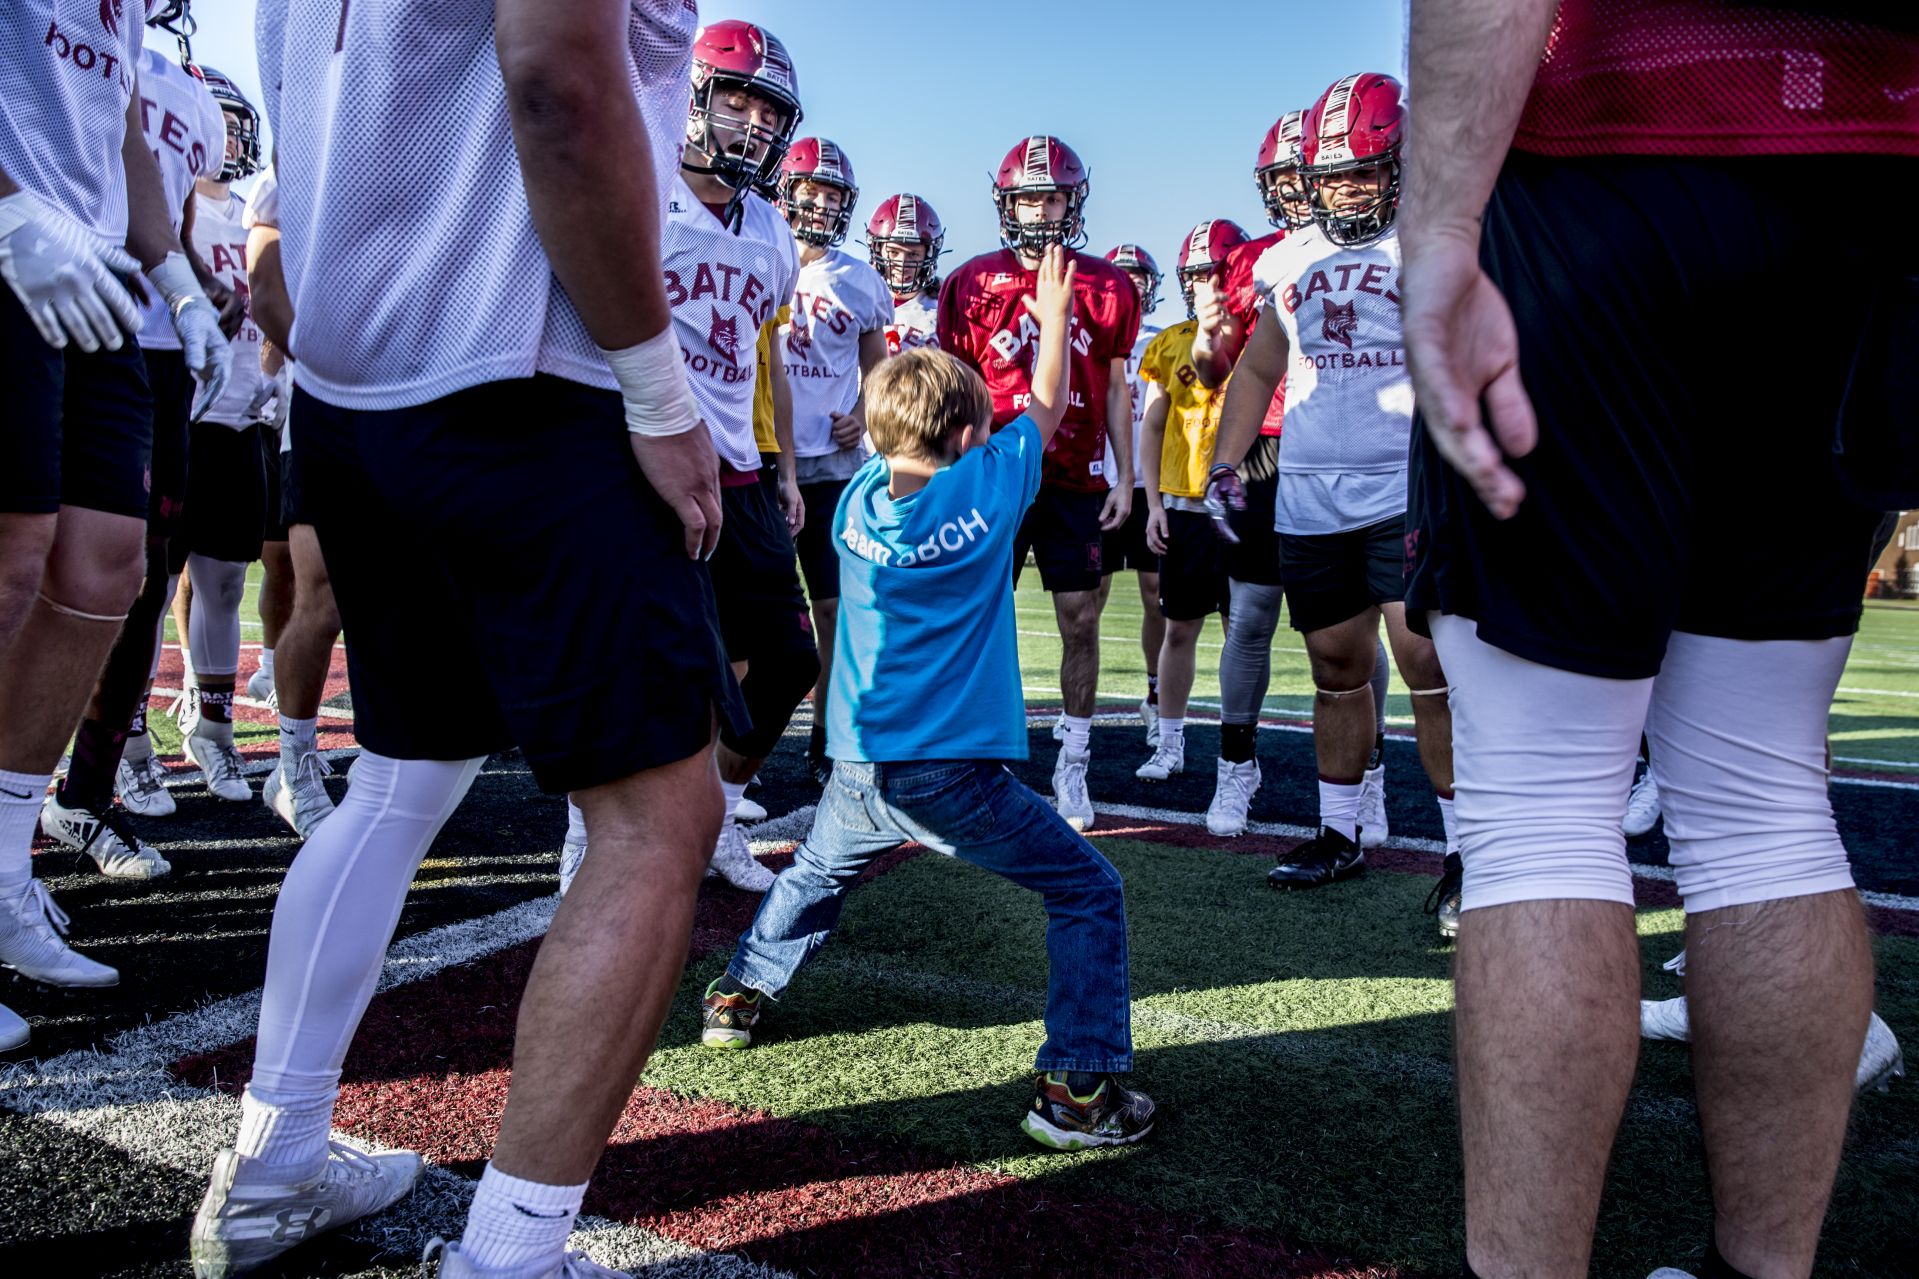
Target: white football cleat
(1069, 789)
(260, 687)
(302, 801)
(1168, 759)
(31, 928)
(1880, 1060)
(1642, 806)
(105, 836)
(221, 764)
(1372, 808)
(1149, 720)
(1059, 729)
(244, 1224)
(1232, 797)
(749, 811)
(14, 1031)
(454, 1265)
(572, 853)
(734, 861)
(1664, 1019)
(141, 785)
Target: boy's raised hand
(1051, 301)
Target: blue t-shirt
(926, 663)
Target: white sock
(1339, 807)
(1449, 823)
(734, 792)
(575, 821)
(287, 1134)
(266, 662)
(517, 1224)
(1078, 733)
(1172, 732)
(139, 742)
(21, 795)
(297, 737)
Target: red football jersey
(1243, 303)
(982, 322)
(1705, 77)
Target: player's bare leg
(1077, 613)
(25, 543)
(1779, 994)
(276, 607)
(1343, 658)
(1545, 1057)
(1418, 663)
(1178, 659)
(607, 971)
(302, 661)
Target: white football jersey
(723, 288)
(263, 202)
(1147, 332)
(1349, 396)
(410, 252)
(915, 323)
(187, 134)
(221, 240)
(838, 298)
(67, 71)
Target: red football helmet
(908, 221)
(1132, 259)
(1281, 189)
(243, 124)
(1359, 123)
(1041, 164)
(1204, 253)
(740, 55)
(819, 161)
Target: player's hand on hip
(1156, 529)
(66, 277)
(685, 471)
(1464, 351)
(1119, 504)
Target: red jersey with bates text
(982, 322)
(1709, 77)
(1244, 303)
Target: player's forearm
(268, 301)
(1119, 429)
(1256, 376)
(788, 465)
(150, 234)
(577, 127)
(189, 214)
(1152, 443)
(1474, 62)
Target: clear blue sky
(1166, 103)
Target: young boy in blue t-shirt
(924, 707)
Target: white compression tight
(1543, 760)
(336, 915)
(213, 625)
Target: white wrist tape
(652, 378)
(176, 282)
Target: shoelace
(1449, 881)
(50, 914)
(115, 820)
(146, 778)
(308, 772)
(352, 1155)
(229, 759)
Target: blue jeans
(978, 812)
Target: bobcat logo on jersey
(799, 338)
(110, 11)
(1342, 321)
(724, 338)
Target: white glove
(270, 401)
(198, 323)
(63, 275)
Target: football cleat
(454, 1265)
(1642, 806)
(260, 687)
(141, 785)
(749, 811)
(1880, 1058)
(1443, 901)
(31, 929)
(1327, 858)
(1069, 790)
(242, 1224)
(221, 764)
(734, 861)
(1372, 808)
(1170, 758)
(1232, 797)
(1149, 720)
(301, 801)
(14, 1031)
(106, 836)
(1108, 1116)
(727, 1021)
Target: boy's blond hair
(918, 398)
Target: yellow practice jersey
(763, 382)
(1192, 411)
